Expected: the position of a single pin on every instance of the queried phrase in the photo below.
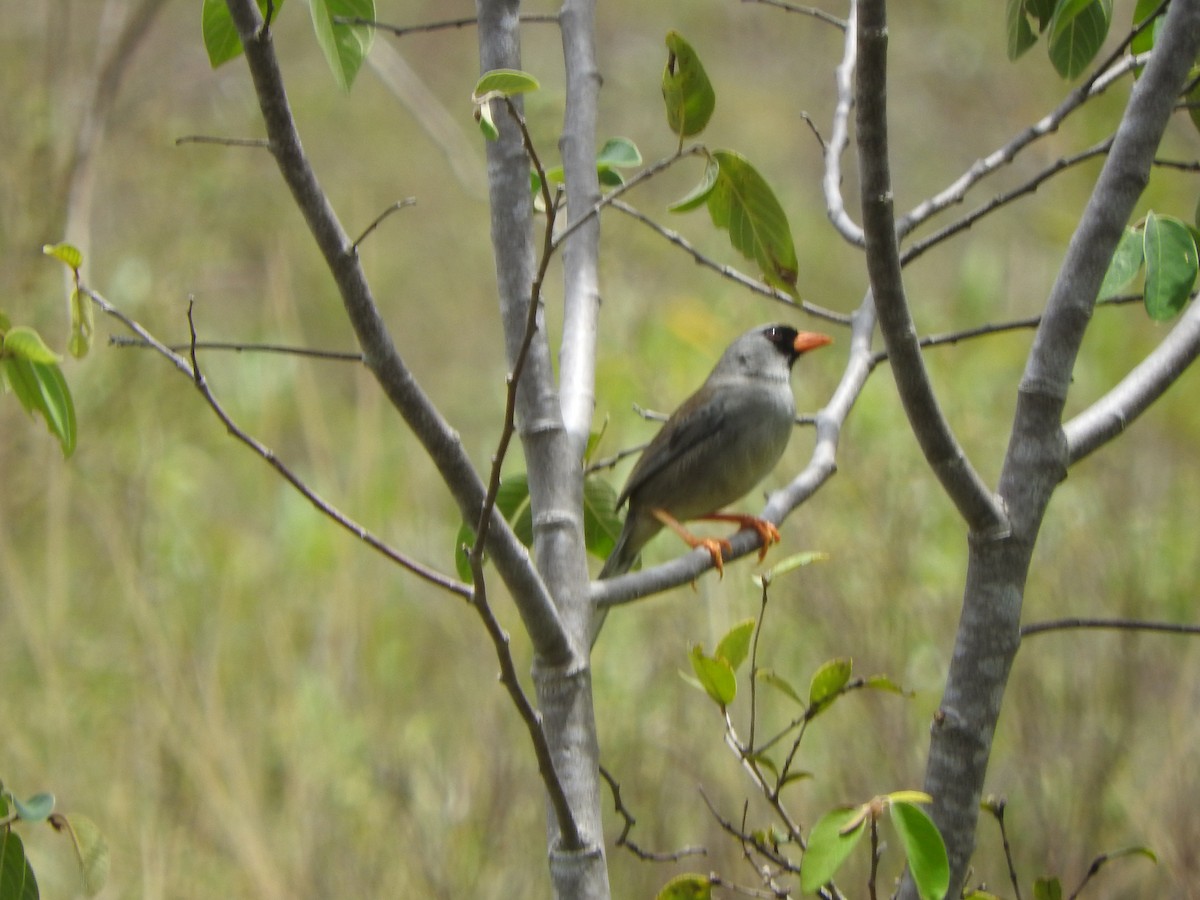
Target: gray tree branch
(380, 355)
(1038, 454)
(1117, 409)
(554, 464)
(581, 251)
(975, 502)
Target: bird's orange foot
(768, 534)
(716, 547)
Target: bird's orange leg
(715, 546)
(768, 534)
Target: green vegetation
(248, 703)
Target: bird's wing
(675, 441)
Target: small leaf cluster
(30, 369)
(344, 46)
(600, 522)
(17, 878)
(1075, 31)
(1165, 247)
(835, 835)
(738, 198)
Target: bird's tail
(619, 562)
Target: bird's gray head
(769, 350)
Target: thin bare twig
(996, 806)
(629, 821)
(120, 340)
(395, 207)
(915, 249)
(812, 11)
(190, 367)
(447, 25)
(261, 143)
(750, 839)
(1112, 68)
(614, 195)
(1117, 624)
(748, 757)
(740, 278)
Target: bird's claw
(768, 534)
(717, 548)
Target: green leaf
(1077, 31)
(17, 881)
(790, 563)
(828, 847)
(487, 125)
(1047, 889)
(1143, 41)
(36, 809)
(1125, 264)
(715, 676)
(83, 324)
(1192, 97)
(828, 681)
(505, 83)
(1171, 266)
(619, 153)
(688, 886)
(1042, 10)
(41, 388)
(1020, 33)
(91, 852)
(687, 92)
(883, 683)
(601, 524)
(221, 40)
(794, 776)
(1132, 851)
(908, 796)
(781, 684)
(701, 192)
(765, 762)
(345, 46)
(512, 502)
(67, 254)
(26, 343)
(609, 177)
(735, 646)
(924, 849)
(743, 203)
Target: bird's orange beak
(810, 340)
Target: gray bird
(716, 447)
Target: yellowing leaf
(743, 203)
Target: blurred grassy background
(250, 703)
